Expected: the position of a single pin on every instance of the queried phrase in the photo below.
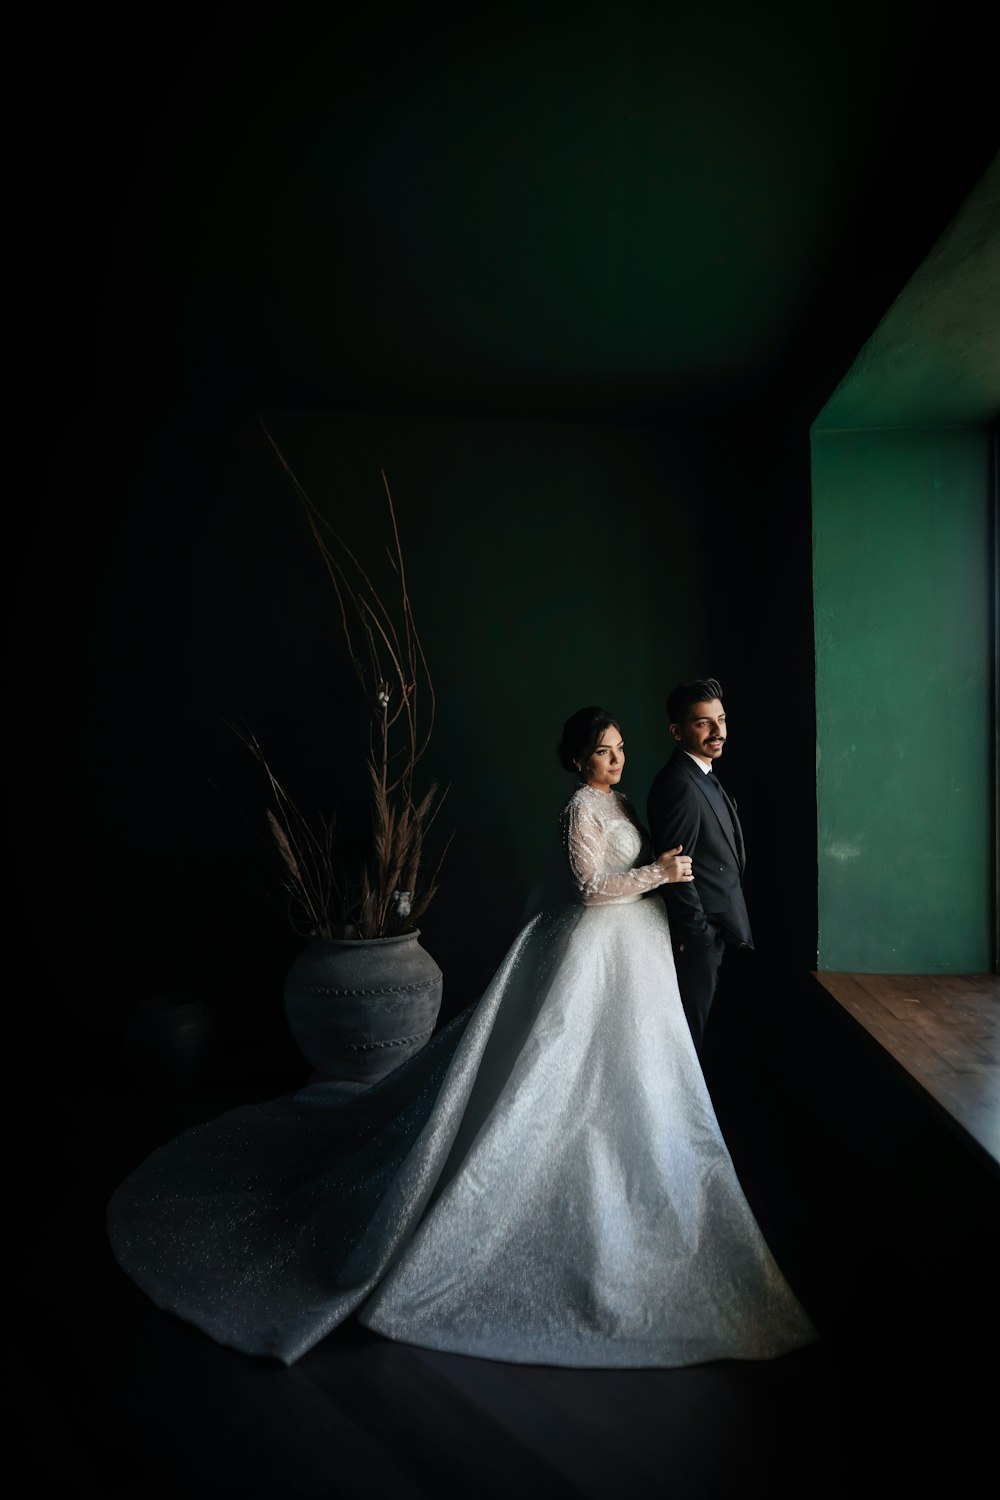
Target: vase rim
(398, 937)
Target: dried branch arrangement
(392, 891)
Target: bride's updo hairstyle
(580, 735)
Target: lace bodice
(604, 844)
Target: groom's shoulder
(675, 765)
(676, 761)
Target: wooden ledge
(944, 1030)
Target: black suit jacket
(682, 810)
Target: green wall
(902, 608)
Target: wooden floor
(884, 1219)
(944, 1030)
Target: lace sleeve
(585, 843)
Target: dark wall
(757, 607)
(174, 590)
(171, 588)
(602, 470)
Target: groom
(688, 806)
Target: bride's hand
(675, 865)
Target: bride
(545, 1182)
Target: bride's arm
(585, 843)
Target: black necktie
(721, 801)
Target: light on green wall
(903, 670)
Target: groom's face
(702, 730)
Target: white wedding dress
(545, 1183)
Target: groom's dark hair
(686, 693)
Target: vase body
(357, 1008)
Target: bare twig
(388, 659)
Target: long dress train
(546, 1182)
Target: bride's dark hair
(580, 735)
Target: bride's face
(606, 763)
